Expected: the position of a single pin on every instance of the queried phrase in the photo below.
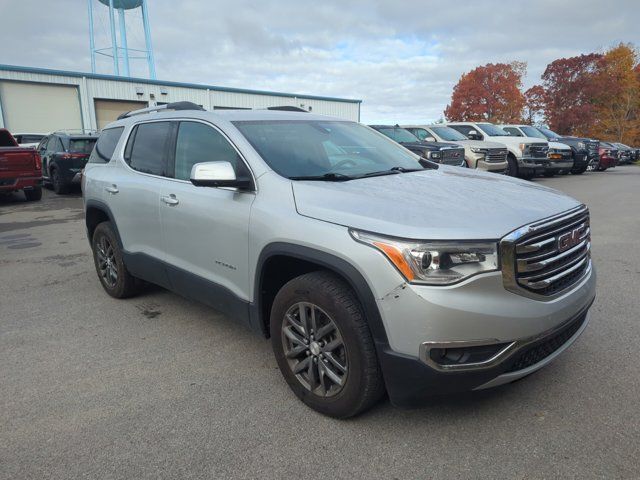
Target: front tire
(512, 167)
(109, 263)
(323, 345)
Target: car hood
(559, 146)
(430, 145)
(441, 204)
(509, 140)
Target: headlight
(478, 150)
(581, 146)
(525, 147)
(434, 155)
(434, 263)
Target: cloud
(401, 58)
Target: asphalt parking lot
(156, 386)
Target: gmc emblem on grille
(569, 239)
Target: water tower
(119, 50)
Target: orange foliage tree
(569, 91)
(534, 104)
(489, 93)
(617, 100)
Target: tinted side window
(147, 153)
(54, 145)
(197, 143)
(464, 129)
(513, 131)
(106, 145)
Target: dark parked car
(63, 157)
(437, 152)
(585, 150)
(626, 154)
(608, 157)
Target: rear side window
(106, 145)
(146, 150)
(197, 143)
(81, 145)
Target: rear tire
(310, 360)
(33, 195)
(58, 185)
(109, 263)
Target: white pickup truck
(527, 157)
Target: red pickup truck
(20, 168)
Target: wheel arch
(287, 261)
(96, 212)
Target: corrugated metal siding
(99, 88)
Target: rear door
(206, 229)
(133, 190)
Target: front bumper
(495, 167)
(534, 165)
(607, 162)
(478, 312)
(557, 166)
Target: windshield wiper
(327, 177)
(391, 171)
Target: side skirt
(188, 285)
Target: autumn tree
(617, 99)
(570, 87)
(489, 93)
(534, 104)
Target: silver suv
(362, 261)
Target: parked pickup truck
(559, 154)
(526, 158)
(370, 269)
(437, 152)
(585, 150)
(626, 154)
(63, 157)
(20, 168)
(489, 156)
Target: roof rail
(288, 108)
(76, 131)
(168, 106)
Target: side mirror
(217, 174)
(473, 135)
(429, 139)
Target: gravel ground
(156, 386)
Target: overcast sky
(401, 58)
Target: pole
(92, 45)
(123, 41)
(147, 37)
(114, 40)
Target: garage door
(108, 110)
(39, 107)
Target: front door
(206, 229)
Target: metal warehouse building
(38, 100)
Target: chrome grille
(549, 256)
(496, 155)
(592, 148)
(539, 150)
(453, 156)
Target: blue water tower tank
(124, 4)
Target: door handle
(170, 200)
(112, 189)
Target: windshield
(300, 148)
(448, 134)
(399, 134)
(548, 133)
(492, 130)
(532, 132)
(81, 145)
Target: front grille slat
(548, 256)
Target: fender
(100, 205)
(331, 262)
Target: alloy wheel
(314, 349)
(107, 266)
